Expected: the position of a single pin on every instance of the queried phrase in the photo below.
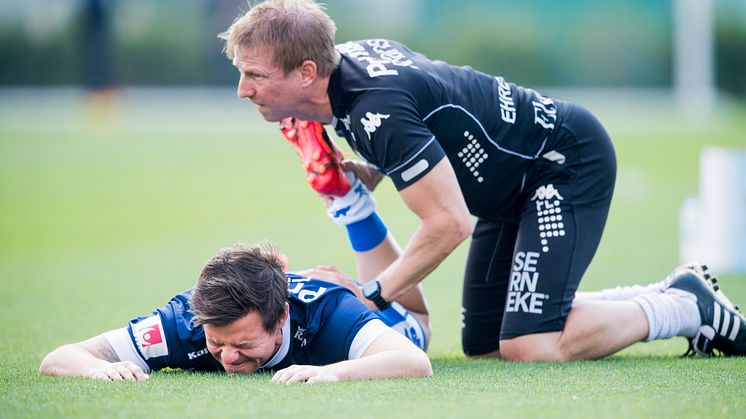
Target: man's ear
(308, 72)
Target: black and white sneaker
(723, 326)
(699, 268)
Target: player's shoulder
(168, 337)
(174, 320)
(315, 303)
(375, 62)
(308, 290)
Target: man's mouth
(236, 367)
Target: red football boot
(320, 156)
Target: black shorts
(523, 268)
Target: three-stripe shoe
(320, 156)
(723, 328)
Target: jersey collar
(335, 91)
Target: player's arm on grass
(390, 355)
(93, 358)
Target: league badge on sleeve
(151, 341)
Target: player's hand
(365, 172)
(118, 371)
(335, 276)
(308, 374)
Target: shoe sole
(322, 162)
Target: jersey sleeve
(343, 316)
(365, 337)
(121, 341)
(391, 135)
(166, 338)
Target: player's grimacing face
(266, 85)
(243, 345)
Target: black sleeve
(391, 135)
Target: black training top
(402, 113)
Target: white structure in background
(713, 226)
(693, 72)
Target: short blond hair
(292, 30)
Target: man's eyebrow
(244, 343)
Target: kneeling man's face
(274, 93)
(244, 345)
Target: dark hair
(239, 280)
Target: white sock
(669, 314)
(355, 206)
(629, 292)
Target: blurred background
(542, 42)
(126, 159)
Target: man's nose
(246, 89)
(229, 356)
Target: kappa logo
(342, 211)
(360, 190)
(373, 122)
(150, 337)
(546, 193)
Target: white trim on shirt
(365, 336)
(121, 341)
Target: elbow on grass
(422, 367)
(47, 365)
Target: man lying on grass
(245, 314)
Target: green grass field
(101, 222)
